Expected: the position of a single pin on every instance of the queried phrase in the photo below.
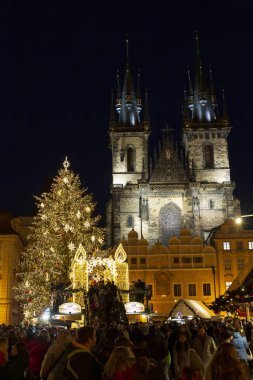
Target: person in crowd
(37, 349)
(183, 329)
(55, 351)
(140, 345)
(3, 351)
(194, 369)
(81, 362)
(16, 368)
(204, 345)
(180, 355)
(158, 350)
(121, 365)
(225, 364)
(123, 341)
(241, 345)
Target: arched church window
(169, 222)
(208, 156)
(130, 221)
(130, 159)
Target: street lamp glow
(238, 220)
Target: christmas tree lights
(63, 222)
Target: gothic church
(185, 185)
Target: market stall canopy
(191, 308)
(245, 277)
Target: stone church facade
(184, 185)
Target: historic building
(184, 185)
(234, 248)
(13, 235)
(185, 269)
(10, 247)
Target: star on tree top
(66, 164)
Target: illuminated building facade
(185, 269)
(234, 247)
(10, 248)
(182, 186)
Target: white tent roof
(191, 308)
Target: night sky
(57, 68)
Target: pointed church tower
(129, 134)
(188, 185)
(205, 134)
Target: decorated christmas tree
(64, 220)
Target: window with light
(226, 245)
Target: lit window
(250, 244)
(240, 264)
(239, 245)
(227, 264)
(192, 290)
(226, 245)
(177, 290)
(207, 289)
(133, 260)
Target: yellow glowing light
(238, 220)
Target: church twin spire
(129, 102)
(200, 102)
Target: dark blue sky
(57, 67)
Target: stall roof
(191, 308)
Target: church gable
(169, 168)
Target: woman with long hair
(121, 365)
(180, 355)
(225, 364)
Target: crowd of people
(159, 351)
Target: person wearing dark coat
(16, 368)
(81, 362)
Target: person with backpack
(81, 362)
(50, 365)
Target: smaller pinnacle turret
(112, 114)
(224, 108)
(146, 111)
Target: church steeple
(202, 108)
(128, 110)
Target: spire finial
(118, 86)
(146, 112)
(197, 41)
(225, 113)
(127, 49)
(66, 164)
(190, 89)
(138, 91)
(211, 80)
(112, 116)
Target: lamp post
(214, 284)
